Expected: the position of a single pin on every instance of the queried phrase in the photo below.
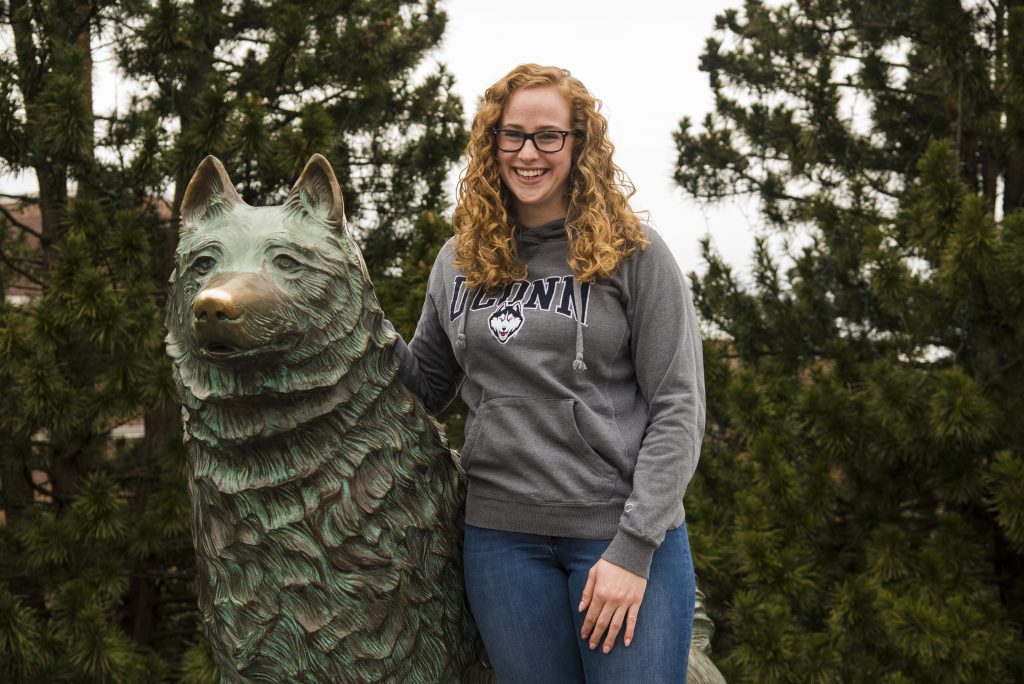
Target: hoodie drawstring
(460, 339)
(578, 364)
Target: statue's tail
(700, 669)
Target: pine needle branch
(24, 227)
(26, 199)
(40, 487)
(9, 261)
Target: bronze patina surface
(325, 501)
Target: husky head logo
(506, 321)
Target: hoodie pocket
(522, 448)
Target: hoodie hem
(598, 520)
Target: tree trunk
(162, 435)
(1013, 189)
(83, 44)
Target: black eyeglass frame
(532, 138)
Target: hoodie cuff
(629, 552)
(408, 365)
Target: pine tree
(95, 556)
(402, 291)
(858, 515)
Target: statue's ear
(209, 188)
(317, 190)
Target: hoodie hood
(552, 230)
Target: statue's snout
(230, 296)
(217, 304)
(241, 315)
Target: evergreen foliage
(859, 510)
(402, 290)
(96, 562)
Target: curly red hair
(602, 228)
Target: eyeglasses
(545, 141)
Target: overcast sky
(640, 59)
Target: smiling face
(538, 181)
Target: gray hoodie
(586, 401)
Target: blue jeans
(524, 591)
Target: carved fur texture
(325, 500)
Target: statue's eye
(286, 263)
(204, 265)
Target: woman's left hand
(612, 599)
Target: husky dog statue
(325, 500)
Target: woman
(571, 331)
